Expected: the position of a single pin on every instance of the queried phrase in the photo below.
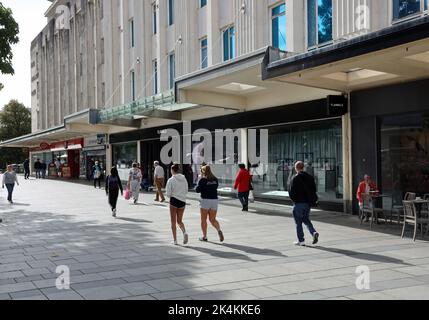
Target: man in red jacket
(243, 185)
(365, 187)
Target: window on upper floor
(101, 9)
(132, 37)
(133, 85)
(204, 53)
(229, 50)
(171, 69)
(170, 12)
(278, 23)
(154, 18)
(203, 3)
(319, 22)
(406, 8)
(155, 76)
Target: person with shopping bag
(134, 182)
(243, 184)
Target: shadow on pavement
(252, 250)
(363, 256)
(222, 254)
(133, 220)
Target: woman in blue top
(207, 187)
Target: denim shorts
(209, 204)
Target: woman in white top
(9, 180)
(177, 190)
(134, 182)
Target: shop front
(123, 157)
(391, 139)
(94, 151)
(304, 131)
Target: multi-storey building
(129, 69)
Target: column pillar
(347, 162)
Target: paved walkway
(57, 223)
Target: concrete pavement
(55, 223)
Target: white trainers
(185, 239)
(299, 244)
(114, 213)
(175, 243)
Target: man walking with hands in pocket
(303, 194)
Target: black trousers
(99, 182)
(113, 198)
(27, 174)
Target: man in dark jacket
(26, 165)
(303, 194)
(38, 169)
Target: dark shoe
(316, 238)
(221, 237)
(1, 220)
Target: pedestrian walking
(134, 182)
(209, 204)
(37, 168)
(113, 186)
(43, 168)
(243, 183)
(9, 180)
(26, 166)
(159, 177)
(177, 190)
(303, 193)
(58, 167)
(97, 174)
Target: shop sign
(337, 106)
(96, 140)
(45, 146)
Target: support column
(109, 160)
(244, 147)
(347, 163)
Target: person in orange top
(243, 183)
(365, 187)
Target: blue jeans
(301, 213)
(9, 188)
(244, 199)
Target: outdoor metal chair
(368, 209)
(410, 217)
(397, 209)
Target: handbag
(251, 184)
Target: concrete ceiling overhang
(395, 55)
(237, 86)
(47, 136)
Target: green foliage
(8, 36)
(15, 121)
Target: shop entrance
(150, 152)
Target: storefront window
(319, 145)
(124, 155)
(404, 8)
(405, 155)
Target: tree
(8, 36)
(15, 121)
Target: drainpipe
(121, 10)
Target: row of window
(319, 24)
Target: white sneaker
(299, 244)
(185, 239)
(175, 243)
(114, 213)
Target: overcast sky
(31, 19)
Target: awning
(237, 86)
(72, 147)
(392, 55)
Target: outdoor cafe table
(419, 205)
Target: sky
(30, 15)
